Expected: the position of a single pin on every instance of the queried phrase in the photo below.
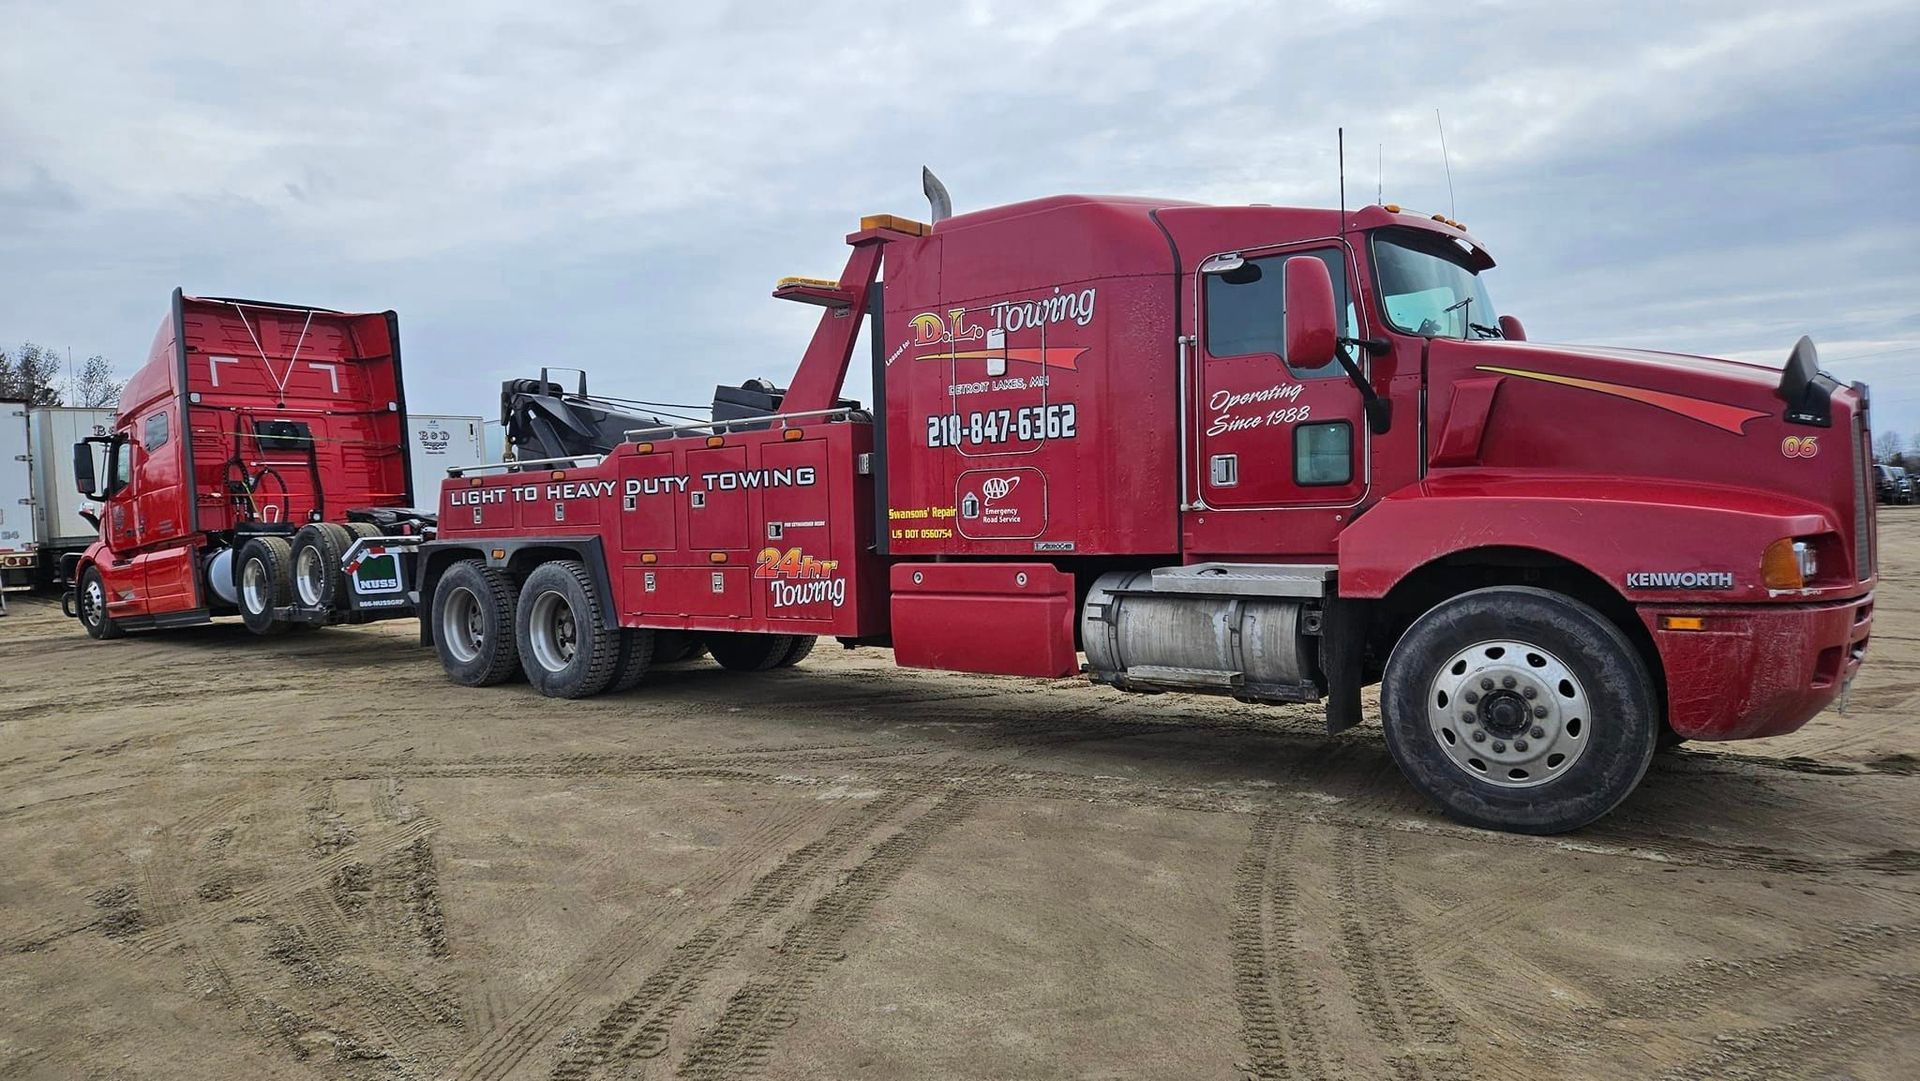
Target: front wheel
(1519, 709)
(92, 604)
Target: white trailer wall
(19, 539)
(440, 442)
(56, 505)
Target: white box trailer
(19, 536)
(439, 442)
(56, 502)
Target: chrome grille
(1863, 500)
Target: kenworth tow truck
(1272, 453)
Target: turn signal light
(1780, 566)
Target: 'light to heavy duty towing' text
(735, 480)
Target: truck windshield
(1427, 288)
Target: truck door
(162, 522)
(1267, 435)
(122, 522)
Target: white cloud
(619, 184)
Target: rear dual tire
(749, 652)
(474, 624)
(264, 582)
(570, 646)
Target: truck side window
(1246, 309)
(156, 435)
(122, 464)
(1323, 453)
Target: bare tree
(30, 375)
(1887, 445)
(95, 387)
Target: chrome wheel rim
(93, 603)
(463, 625)
(1509, 713)
(310, 576)
(253, 587)
(554, 632)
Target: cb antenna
(1340, 135)
(1445, 162)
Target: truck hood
(1641, 416)
(1727, 394)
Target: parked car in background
(1902, 485)
(1883, 483)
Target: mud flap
(1343, 636)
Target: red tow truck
(1278, 454)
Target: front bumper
(1757, 670)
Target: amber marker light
(649, 558)
(792, 434)
(1780, 566)
(1682, 623)
(643, 448)
(499, 553)
(715, 441)
(558, 474)
(716, 557)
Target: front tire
(569, 645)
(473, 624)
(92, 605)
(1519, 709)
(265, 580)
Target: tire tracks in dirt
(1796, 1048)
(500, 1050)
(739, 1042)
(1274, 999)
(1701, 984)
(275, 891)
(637, 1026)
(1396, 1002)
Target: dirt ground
(313, 857)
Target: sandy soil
(312, 857)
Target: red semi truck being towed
(1271, 453)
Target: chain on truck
(1272, 453)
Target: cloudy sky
(617, 186)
